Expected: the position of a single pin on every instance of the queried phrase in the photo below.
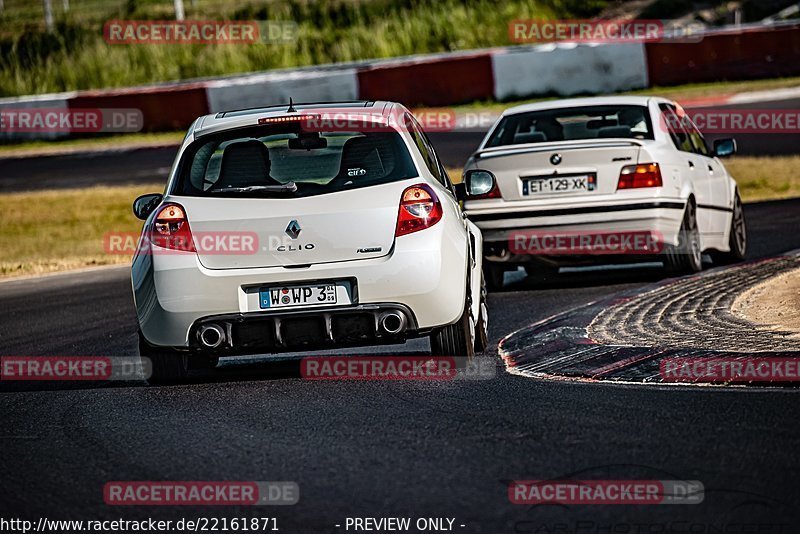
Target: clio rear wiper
(288, 187)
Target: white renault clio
(312, 226)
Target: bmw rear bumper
(660, 219)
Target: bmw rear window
(281, 160)
(572, 124)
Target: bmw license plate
(559, 184)
(289, 296)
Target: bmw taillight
(419, 209)
(642, 175)
(171, 229)
(494, 192)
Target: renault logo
(293, 230)
(555, 159)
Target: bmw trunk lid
(583, 168)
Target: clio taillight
(419, 209)
(171, 229)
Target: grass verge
(766, 177)
(75, 56)
(48, 231)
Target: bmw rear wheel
(738, 236)
(687, 256)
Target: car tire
(687, 256)
(457, 339)
(482, 328)
(494, 275)
(738, 237)
(166, 367)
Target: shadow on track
(517, 281)
(239, 369)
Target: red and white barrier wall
(434, 80)
(267, 89)
(58, 101)
(568, 69)
(749, 53)
(456, 78)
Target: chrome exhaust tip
(392, 322)
(211, 336)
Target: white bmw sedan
(607, 179)
(313, 226)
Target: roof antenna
(291, 107)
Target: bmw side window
(698, 141)
(424, 148)
(676, 129)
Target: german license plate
(559, 184)
(305, 295)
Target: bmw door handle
(711, 169)
(691, 165)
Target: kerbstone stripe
(625, 337)
(696, 313)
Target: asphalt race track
(115, 167)
(383, 448)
